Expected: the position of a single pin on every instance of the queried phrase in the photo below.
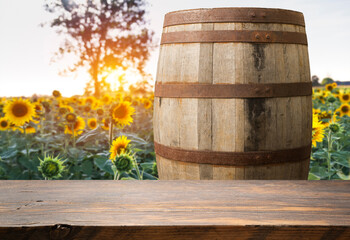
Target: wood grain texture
(175, 210)
(238, 125)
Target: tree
(327, 80)
(315, 80)
(102, 35)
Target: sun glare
(124, 78)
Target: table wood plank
(174, 209)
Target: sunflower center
(99, 111)
(120, 149)
(38, 107)
(19, 110)
(346, 97)
(71, 117)
(87, 109)
(345, 109)
(62, 110)
(93, 124)
(120, 112)
(3, 124)
(76, 125)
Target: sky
(26, 48)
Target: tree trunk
(97, 88)
(97, 84)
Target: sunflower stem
(41, 135)
(66, 140)
(27, 149)
(116, 175)
(110, 132)
(329, 138)
(73, 131)
(137, 169)
(26, 141)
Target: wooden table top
(213, 207)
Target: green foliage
(124, 162)
(51, 167)
(86, 155)
(330, 159)
(327, 81)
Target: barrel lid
(224, 15)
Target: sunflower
(335, 127)
(344, 109)
(331, 99)
(345, 97)
(29, 130)
(317, 111)
(320, 97)
(92, 123)
(336, 113)
(325, 115)
(317, 130)
(100, 111)
(80, 102)
(51, 167)
(38, 107)
(62, 110)
(56, 93)
(19, 111)
(67, 107)
(106, 99)
(334, 85)
(135, 103)
(105, 124)
(76, 127)
(71, 117)
(90, 100)
(336, 93)
(119, 146)
(4, 124)
(73, 99)
(122, 112)
(147, 103)
(13, 127)
(329, 87)
(124, 162)
(127, 99)
(87, 108)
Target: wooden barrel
(233, 95)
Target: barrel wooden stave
(233, 124)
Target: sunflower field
(78, 137)
(82, 137)
(330, 157)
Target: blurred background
(27, 48)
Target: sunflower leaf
(313, 177)
(104, 164)
(88, 136)
(343, 176)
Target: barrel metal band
(241, 36)
(189, 90)
(238, 15)
(233, 158)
